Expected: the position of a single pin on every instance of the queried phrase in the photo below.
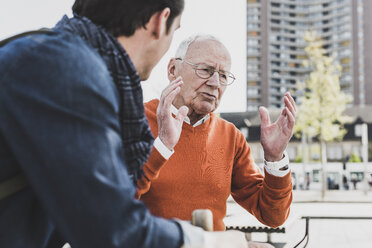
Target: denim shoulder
(58, 58)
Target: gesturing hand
(169, 127)
(275, 136)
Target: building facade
(250, 125)
(275, 46)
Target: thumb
(264, 115)
(182, 113)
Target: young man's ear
(171, 70)
(158, 23)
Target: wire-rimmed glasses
(205, 71)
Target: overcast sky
(225, 19)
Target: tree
(323, 103)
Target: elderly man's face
(201, 95)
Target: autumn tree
(323, 103)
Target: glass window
(316, 176)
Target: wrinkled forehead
(210, 52)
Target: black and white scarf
(135, 130)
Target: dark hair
(124, 17)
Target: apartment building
(275, 46)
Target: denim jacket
(60, 127)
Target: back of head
(124, 17)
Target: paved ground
(323, 233)
(332, 196)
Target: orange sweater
(211, 161)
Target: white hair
(184, 45)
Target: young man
(198, 159)
(73, 125)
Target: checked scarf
(135, 131)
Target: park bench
(248, 230)
(261, 228)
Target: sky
(224, 19)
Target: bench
(258, 227)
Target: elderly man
(199, 159)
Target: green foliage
(323, 103)
(354, 158)
(298, 159)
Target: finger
(168, 100)
(264, 115)
(282, 116)
(174, 84)
(292, 101)
(289, 105)
(291, 119)
(182, 113)
(165, 102)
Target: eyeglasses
(206, 71)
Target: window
(316, 176)
(254, 33)
(357, 175)
(334, 152)
(252, 83)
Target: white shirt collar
(174, 111)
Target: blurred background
(320, 51)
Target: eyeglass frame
(229, 74)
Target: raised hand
(170, 127)
(275, 136)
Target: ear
(172, 69)
(158, 23)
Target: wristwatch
(278, 165)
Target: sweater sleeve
(156, 160)
(151, 171)
(267, 197)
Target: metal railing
(307, 224)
